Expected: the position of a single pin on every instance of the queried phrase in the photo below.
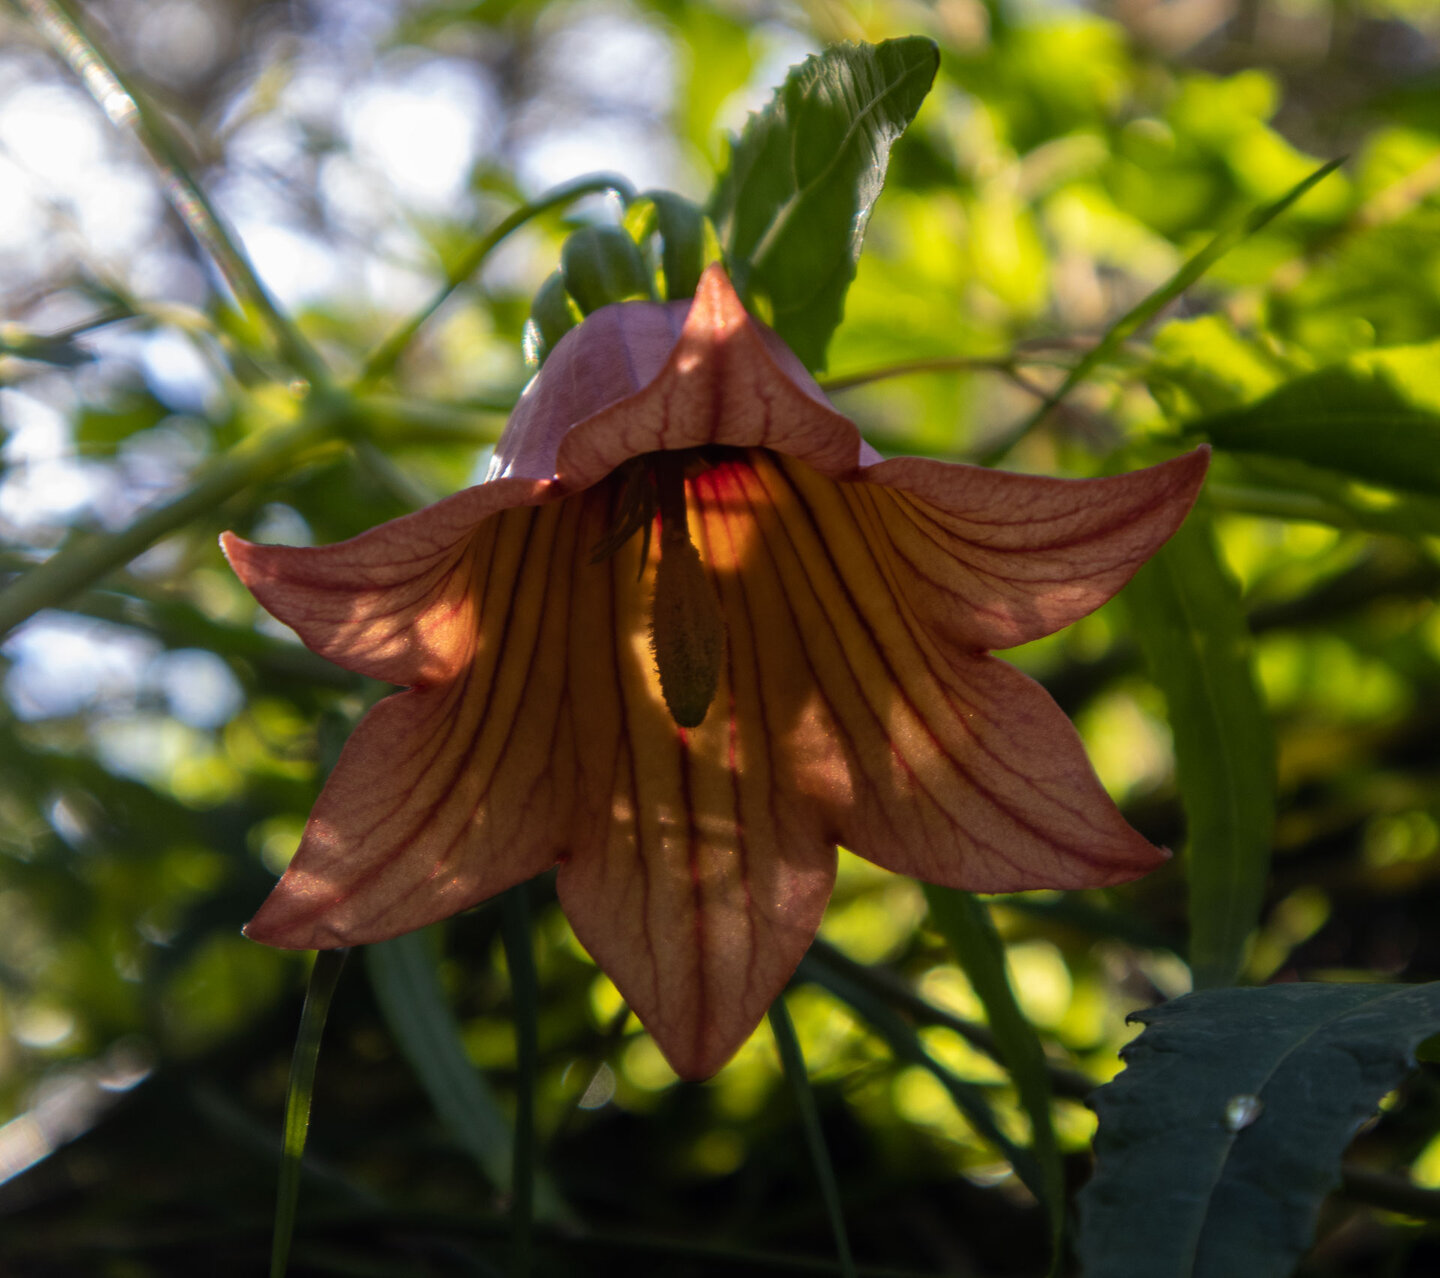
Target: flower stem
(323, 977)
(385, 356)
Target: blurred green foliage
(161, 742)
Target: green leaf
(552, 315)
(1191, 627)
(686, 241)
(1224, 1132)
(792, 1060)
(1204, 366)
(803, 177)
(515, 932)
(407, 987)
(968, 929)
(1375, 418)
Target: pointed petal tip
(277, 938)
(695, 1062)
(291, 933)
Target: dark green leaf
(552, 315)
(99, 429)
(1375, 418)
(683, 248)
(1190, 625)
(324, 976)
(1226, 1128)
(63, 352)
(803, 177)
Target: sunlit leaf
(1375, 418)
(793, 206)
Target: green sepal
(688, 243)
(552, 315)
(601, 265)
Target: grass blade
(1192, 630)
(905, 1044)
(51, 583)
(128, 109)
(968, 929)
(387, 354)
(407, 987)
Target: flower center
(687, 631)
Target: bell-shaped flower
(689, 722)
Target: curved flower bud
(853, 698)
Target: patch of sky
(149, 465)
(63, 664)
(423, 122)
(42, 482)
(178, 41)
(61, 151)
(178, 374)
(198, 687)
(610, 83)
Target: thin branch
(129, 110)
(51, 582)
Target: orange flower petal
(395, 603)
(447, 794)
(688, 878)
(991, 559)
(947, 765)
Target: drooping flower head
(691, 634)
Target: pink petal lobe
(988, 788)
(726, 381)
(609, 358)
(445, 795)
(991, 559)
(395, 603)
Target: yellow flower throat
(687, 631)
